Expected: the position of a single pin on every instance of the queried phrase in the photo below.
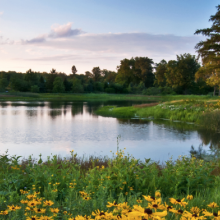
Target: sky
(45, 34)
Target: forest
(139, 75)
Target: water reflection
(32, 113)
(77, 108)
(3, 104)
(57, 127)
(209, 138)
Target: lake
(33, 128)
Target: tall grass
(118, 112)
(182, 110)
(211, 120)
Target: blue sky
(47, 34)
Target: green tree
(144, 71)
(77, 86)
(161, 69)
(3, 83)
(181, 72)
(97, 73)
(17, 83)
(135, 70)
(50, 79)
(126, 72)
(35, 89)
(109, 76)
(58, 85)
(31, 77)
(88, 75)
(209, 50)
(67, 84)
(42, 84)
(99, 87)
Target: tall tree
(50, 79)
(109, 76)
(136, 70)
(97, 73)
(126, 72)
(181, 72)
(161, 69)
(74, 70)
(88, 75)
(58, 85)
(31, 77)
(144, 70)
(209, 50)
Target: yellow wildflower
(213, 205)
(48, 203)
(54, 210)
(189, 197)
(39, 210)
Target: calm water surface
(58, 127)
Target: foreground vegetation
(102, 188)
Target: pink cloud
(58, 31)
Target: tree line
(138, 75)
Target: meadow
(120, 187)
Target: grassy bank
(25, 96)
(68, 187)
(183, 110)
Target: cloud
(73, 57)
(6, 41)
(1, 13)
(38, 39)
(132, 43)
(63, 37)
(59, 31)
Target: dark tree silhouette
(74, 70)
